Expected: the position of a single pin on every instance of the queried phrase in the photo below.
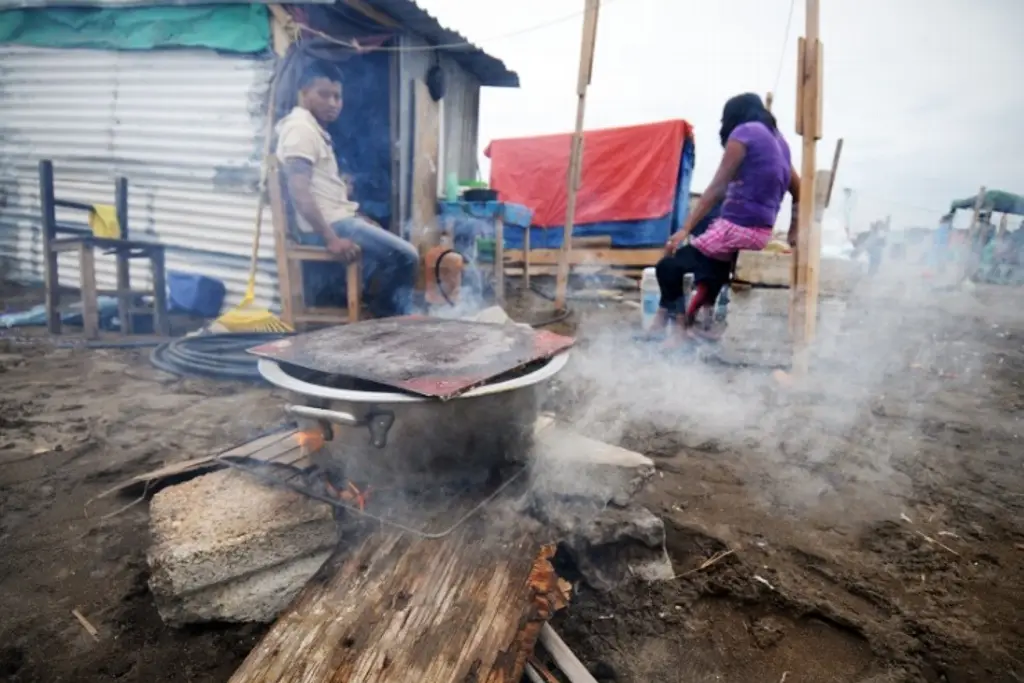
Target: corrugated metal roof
(25, 4)
(489, 70)
(184, 126)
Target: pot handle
(378, 422)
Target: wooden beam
(397, 608)
(425, 160)
(809, 126)
(835, 169)
(283, 29)
(372, 13)
(592, 8)
(970, 260)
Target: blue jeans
(388, 261)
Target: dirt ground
(865, 526)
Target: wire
(216, 356)
(354, 45)
(785, 42)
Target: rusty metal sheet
(433, 357)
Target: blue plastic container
(194, 294)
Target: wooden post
(970, 261)
(576, 151)
(804, 287)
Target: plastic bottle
(650, 296)
(451, 188)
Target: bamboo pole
(576, 150)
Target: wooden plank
(638, 258)
(281, 446)
(398, 608)
(587, 47)
(425, 160)
(767, 269)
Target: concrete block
(227, 547)
(567, 464)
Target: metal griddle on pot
(459, 427)
(432, 357)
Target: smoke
(852, 430)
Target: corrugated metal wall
(184, 126)
(461, 111)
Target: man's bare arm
(299, 175)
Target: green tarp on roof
(231, 28)
(995, 201)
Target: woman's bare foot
(679, 337)
(657, 330)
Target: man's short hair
(316, 70)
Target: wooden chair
(80, 238)
(291, 256)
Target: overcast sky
(926, 93)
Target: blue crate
(194, 294)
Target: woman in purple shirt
(755, 173)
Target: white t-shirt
(300, 136)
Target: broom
(245, 317)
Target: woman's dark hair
(742, 109)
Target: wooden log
(398, 608)
(638, 258)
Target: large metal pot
(402, 440)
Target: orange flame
(310, 440)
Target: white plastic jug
(650, 297)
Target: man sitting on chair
(326, 216)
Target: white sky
(926, 93)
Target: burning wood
(374, 615)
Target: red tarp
(629, 174)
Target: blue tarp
(230, 28)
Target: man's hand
(346, 250)
(793, 235)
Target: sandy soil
(873, 518)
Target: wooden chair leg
(52, 293)
(90, 302)
(354, 289)
(47, 204)
(526, 258)
(161, 324)
(499, 260)
(295, 292)
(124, 293)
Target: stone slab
(568, 464)
(226, 547)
